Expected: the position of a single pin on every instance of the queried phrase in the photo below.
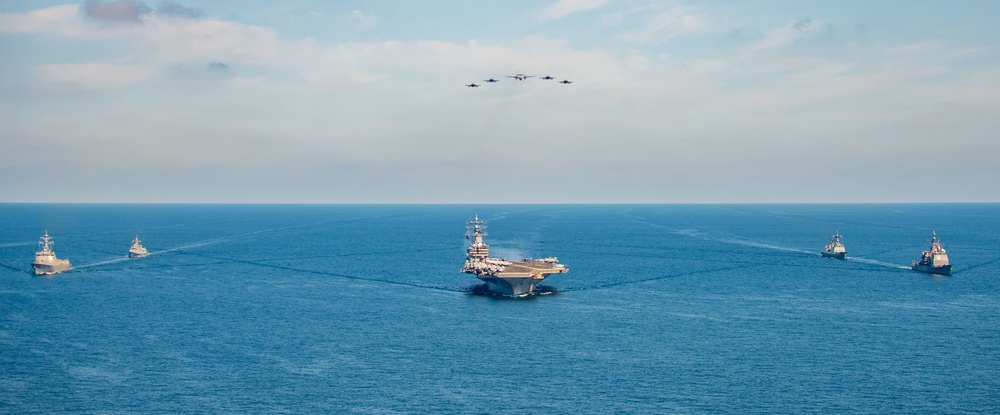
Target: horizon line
(501, 203)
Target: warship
(46, 262)
(834, 249)
(504, 277)
(137, 250)
(934, 260)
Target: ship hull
(138, 254)
(942, 270)
(511, 287)
(47, 269)
(839, 255)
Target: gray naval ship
(46, 262)
(834, 249)
(503, 277)
(934, 260)
(137, 250)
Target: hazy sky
(364, 101)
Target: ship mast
(46, 242)
(936, 246)
(475, 231)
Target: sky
(365, 101)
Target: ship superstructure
(934, 260)
(137, 250)
(835, 249)
(46, 262)
(502, 276)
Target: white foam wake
(762, 245)
(13, 244)
(106, 262)
(879, 263)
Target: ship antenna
(475, 231)
(46, 242)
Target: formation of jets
(521, 77)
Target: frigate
(137, 250)
(835, 249)
(46, 262)
(502, 276)
(934, 260)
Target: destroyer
(835, 249)
(934, 260)
(503, 277)
(137, 250)
(46, 262)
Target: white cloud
(709, 65)
(788, 34)
(563, 8)
(634, 103)
(160, 41)
(611, 19)
(240, 82)
(115, 11)
(174, 40)
(813, 64)
(325, 79)
(661, 23)
(93, 75)
(365, 20)
(939, 50)
(56, 20)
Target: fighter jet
(520, 76)
(547, 78)
(472, 86)
(491, 80)
(565, 82)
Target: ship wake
(877, 262)
(745, 242)
(320, 272)
(99, 263)
(15, 244)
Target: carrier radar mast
(475, 231)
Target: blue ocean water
(361, 309)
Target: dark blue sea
(362, 309)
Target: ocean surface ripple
(362, 309)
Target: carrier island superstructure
(504, 277)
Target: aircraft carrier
(504, 277)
